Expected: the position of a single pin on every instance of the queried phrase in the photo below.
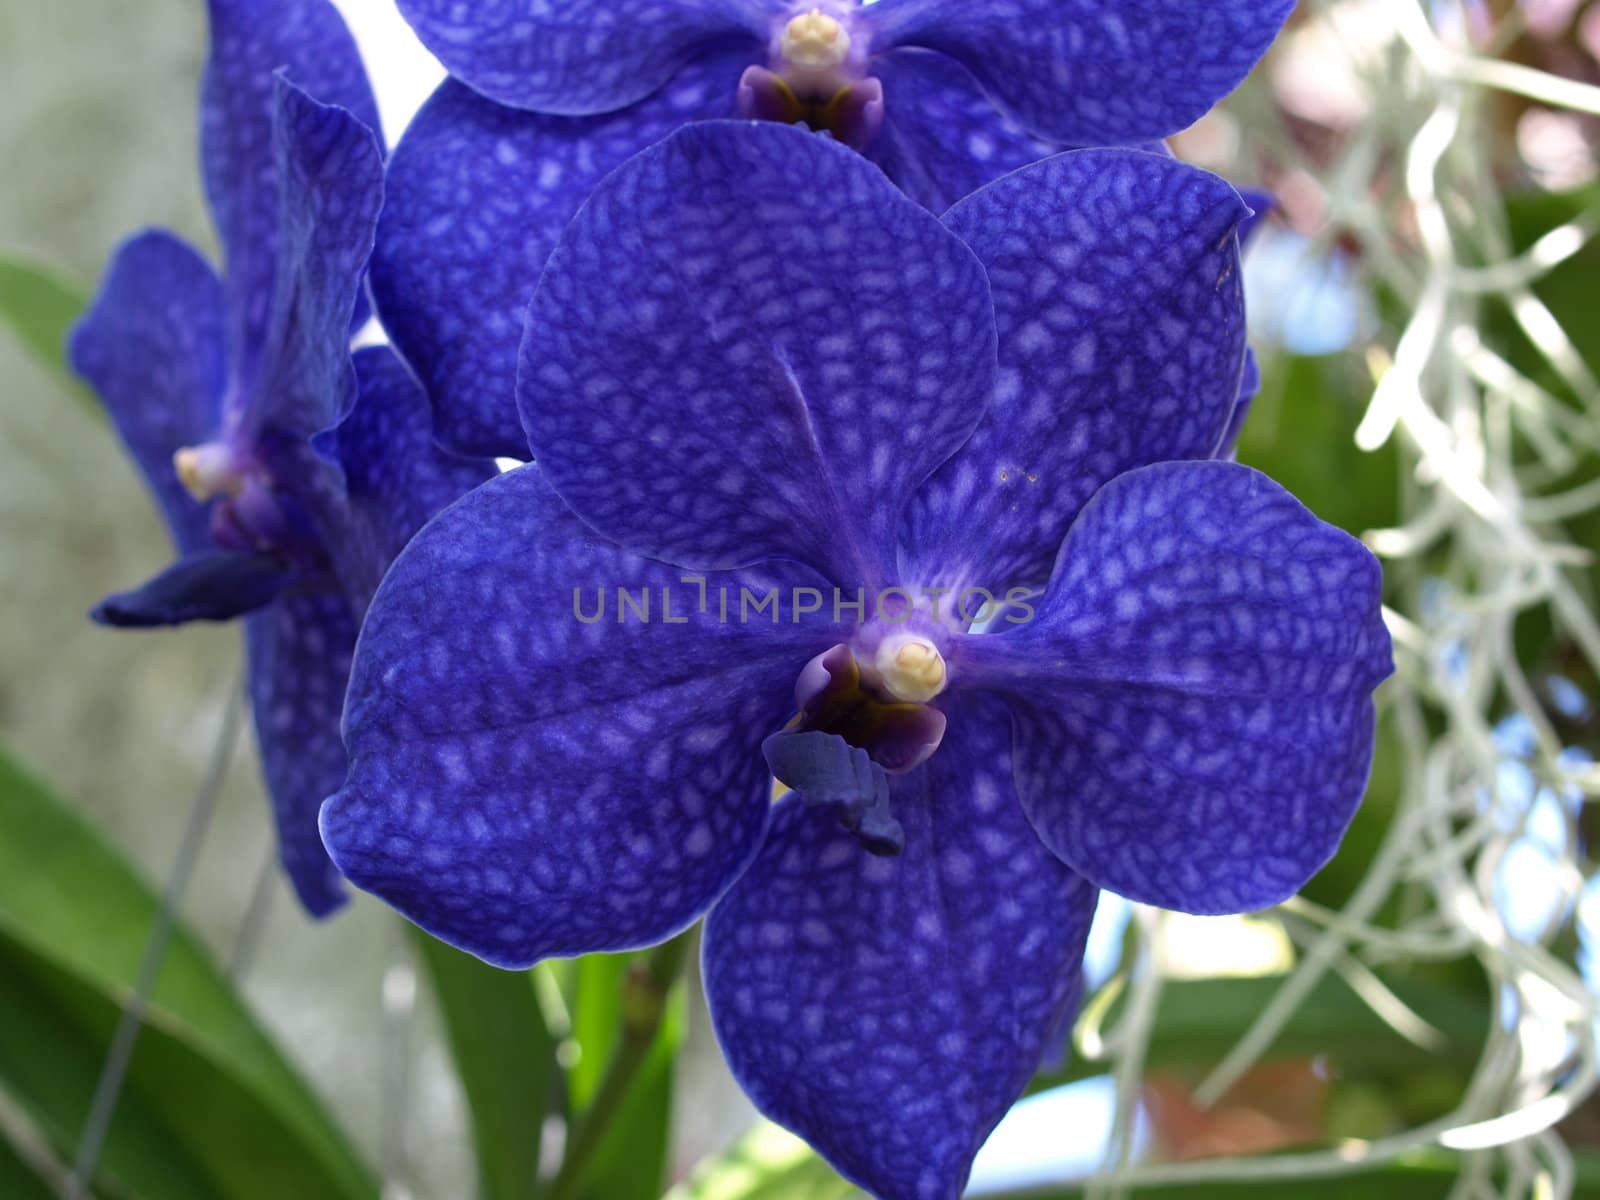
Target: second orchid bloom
(755, 365)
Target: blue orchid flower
(548, 98)
(216, 385)
(793, 434)
(1066, 71)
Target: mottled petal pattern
(579, 57)
(330, 174)
(530, 777)
(477, 195)
(1092, 72)
(299, 659)
(395, 477)
(1194, 715)
(250, 41)
(153, 346)
(942, 138)
(1121, 315)
(208, 585)
(1249, 389)
(749, 344)
(890, 1010)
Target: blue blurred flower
(548, 98)
(217, 385)
(755, 373)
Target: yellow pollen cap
(912, 668)
(815, 40)
(206, 471)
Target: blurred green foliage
(633, 1157)
(39, 306)
(18, 1180)
(505, 1058)
(211, 1109)
(1201, 1019)
(1301, 431)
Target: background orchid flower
(1067, 71)
(216, 385)
(548, 98)
(753, 364)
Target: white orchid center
(814, 41)
(208, 470)
(911, 667)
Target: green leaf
(632, 1158)
(1424, 1174)
(505, 1058)
(595, 1000)
(1200, 1020)
(18, 1180)
(1301, 431)
(630, 1163)
(768, 1163)
(50, 1060)
(210, 1108)
(39, 307)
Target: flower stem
(113, 1073)
(646, 989)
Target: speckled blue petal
(942, 138)
(209, 585)
(1092, 72)
(890, 1010)
(330, 174)
(153, 346)
(1193, 700)
(395, 478)
(1249, 389)
(477, 195)
(580, 57)
(1117, 295)
(250, 41)
(299, 662)
(525, 782)
(1261, 203)
(750, 344)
